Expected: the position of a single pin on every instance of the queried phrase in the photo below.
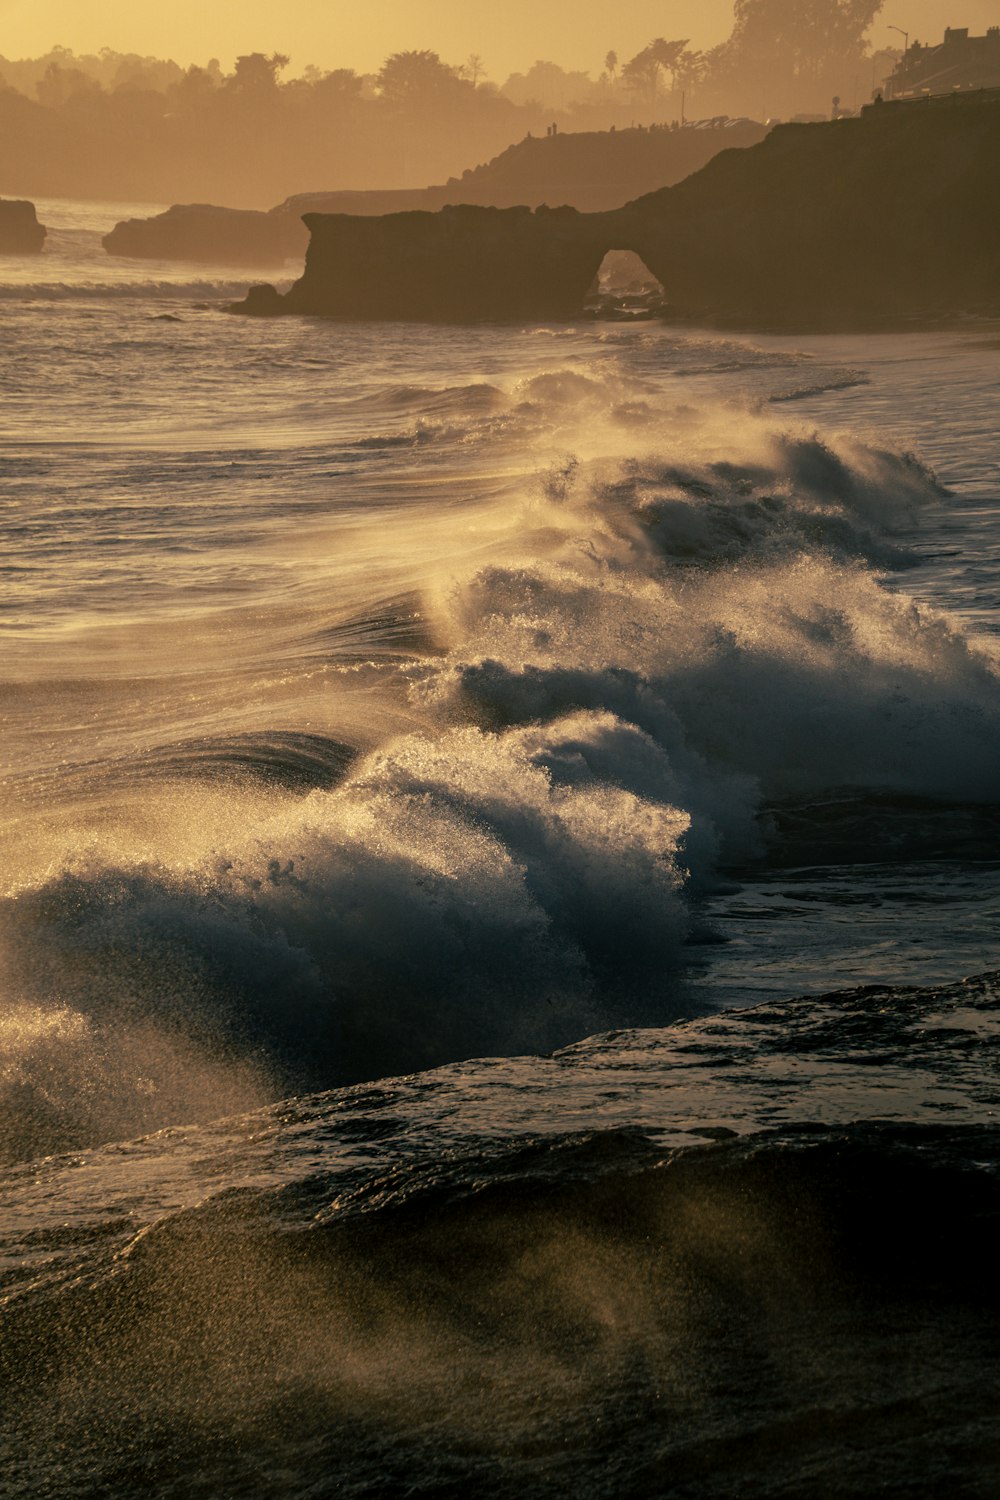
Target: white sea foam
(652, 623)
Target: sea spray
(663, 652)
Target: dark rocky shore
(20, 231)
(890, 218)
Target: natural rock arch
(624, 284)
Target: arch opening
(624, 288)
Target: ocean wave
(282, 760)
(286, 759)
(835, 381)
(473, 398)
(672, 658)
(450, 897)
(786, 1071)
(558, 1324)
(205, 288)
(547, 1281)
(730, 610)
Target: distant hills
(589, 170)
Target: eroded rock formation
(462, 264)
(20, 231)
(854, 223)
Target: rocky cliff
(853, 223)
(462, 264)
(20, 231)
(890, 217)
(589, 170)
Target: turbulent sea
(498, 902)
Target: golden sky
(508, 35)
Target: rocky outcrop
(20, 231)
(462, 264)
(209, 235)
(592, 170)
(589, 170)
(889, 218)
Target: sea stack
(20, 231)
(463, 264)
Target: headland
(889, 219)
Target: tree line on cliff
(124, 126)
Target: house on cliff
(961, 61)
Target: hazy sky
(509, 34)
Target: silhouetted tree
(641, 74)
(814, 45)
(193, 89)
(59, 85)
(340, 84)
(474, 68)
(121, 125)
(417, 79)
(690, 70)
(134, 72)
(257, 74)
(669, 56)
(547, 85)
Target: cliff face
(463, 264)
(891, 216)
(20, 231)
(853, 223)
(589, 170)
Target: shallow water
(383, 698)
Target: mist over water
(384, 698)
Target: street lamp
(906, 42)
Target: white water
(374, 697)
(380, 696)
